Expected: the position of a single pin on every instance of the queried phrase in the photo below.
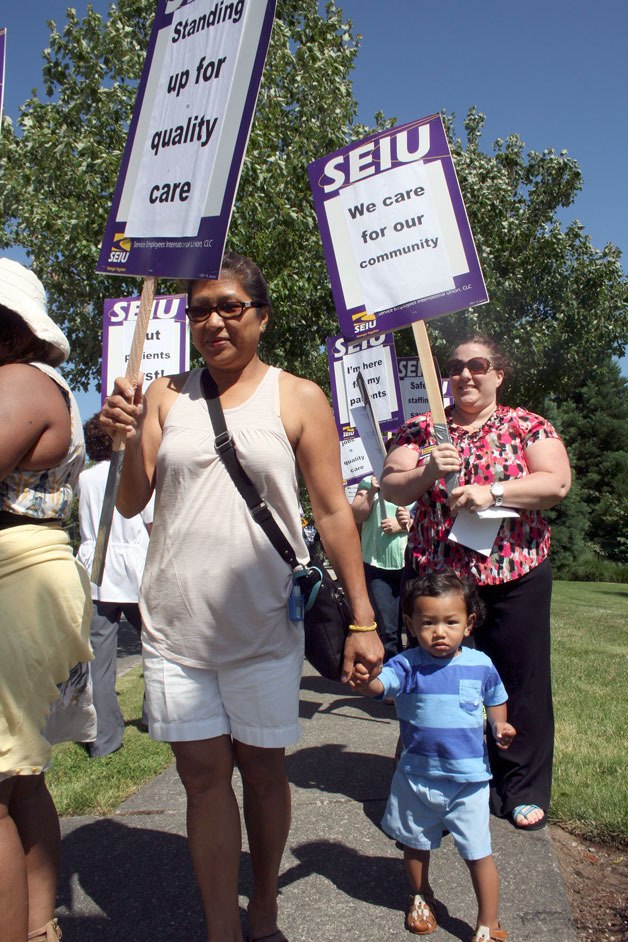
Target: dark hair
(389, 443)
(497, 357)
(435, 584)
(97, 442)
(246, 272)
(24, 346)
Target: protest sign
(375, 358)
(353, 457)
(3, 45)
(187, 139)
(394, 228)
(166, 347)
(181, 164)
(360, 435)
(414, 399)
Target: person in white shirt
(118, 595)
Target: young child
(441, 781)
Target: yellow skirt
(45, 614)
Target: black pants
(516, 636)
(383, 587)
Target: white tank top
(215, 590)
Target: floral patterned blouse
(495, 452)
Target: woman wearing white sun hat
(45, 604)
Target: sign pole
(434, 393)
(366, 399)
(178, 228)
(117, 456)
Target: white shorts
(256, 703)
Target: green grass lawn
(589, 652)
(80, 785)
(590, 798)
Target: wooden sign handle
(434, 393)
(137, 344)
(117, 458)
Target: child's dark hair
(435, 584)
(97, 442)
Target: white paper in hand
(478, 531)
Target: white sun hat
(22, 292)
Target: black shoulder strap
(224, 446)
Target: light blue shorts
(255, 702)
(418, 811)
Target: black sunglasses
(477, 366)
(225, 309)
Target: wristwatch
(497, 493)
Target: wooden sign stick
(117, 456)
(434, 393)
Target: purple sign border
(108, 306)
(183, 262)
(448, 302)
(390, 425)
(3, 46)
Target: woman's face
(226, 343)
(475, 393)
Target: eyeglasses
(224, 309)
(477, 366)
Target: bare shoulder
(23, 374)
(300, 393)
(162, 393)
(305, 411)
(166, 384)
(26, 385)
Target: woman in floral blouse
(502, 456)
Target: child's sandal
(51, 932)
(420, 915)
(486, 934)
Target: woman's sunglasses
(477, 366)
(225, 309)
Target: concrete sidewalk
(127, 878)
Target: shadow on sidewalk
(139, 878)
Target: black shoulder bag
(326, 615)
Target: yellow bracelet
(363, 627)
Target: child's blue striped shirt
(439, 704)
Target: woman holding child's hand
(503, 457)
(222, 660)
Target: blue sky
(553, 71)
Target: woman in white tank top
(222, 659)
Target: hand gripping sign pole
(117, 455)
(181, 165)
(434, 394)
(396, 236)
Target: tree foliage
(557, 303)
(593, 421)
(57, 177)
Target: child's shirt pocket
(470, 695)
